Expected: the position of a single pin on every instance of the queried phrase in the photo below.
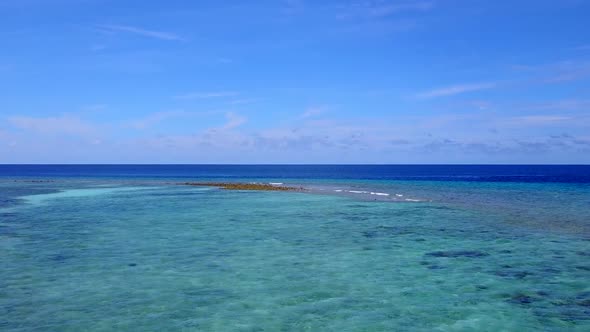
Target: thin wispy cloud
(97, 47)
(61, 125)
(94, 107)
(293, 4)
(455, 90)
(233, 121)
(561, 105)
(568, 76)
(156, 118)
(141, 32)
(313, 112)
(224, 60)
(582, 48)
(206, 95)
(390, 9)
(542, 119)
(381, 9)
(557, 72)
(244, 101)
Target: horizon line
(285, 164)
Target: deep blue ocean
(363, 248)
(482, 173)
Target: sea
(358, 248)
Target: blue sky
(409, 81)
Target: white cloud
(455, 90)
(67, 125)
(142, 32)
(399, 139)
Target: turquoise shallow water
(109, 255)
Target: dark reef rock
(513, 274)
(432, 266)
(520, 298)
(60, 258)
(458, 253)
(435, 267)
(243, 186)
(35, 181)
(583, 296)
(386, 231)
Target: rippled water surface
(115, 255)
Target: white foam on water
(77, 193)
(201, 188)
(380, 194)
(399, 195)
(412, 200)
(338, 190)
(358, 192)
(275, 183)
